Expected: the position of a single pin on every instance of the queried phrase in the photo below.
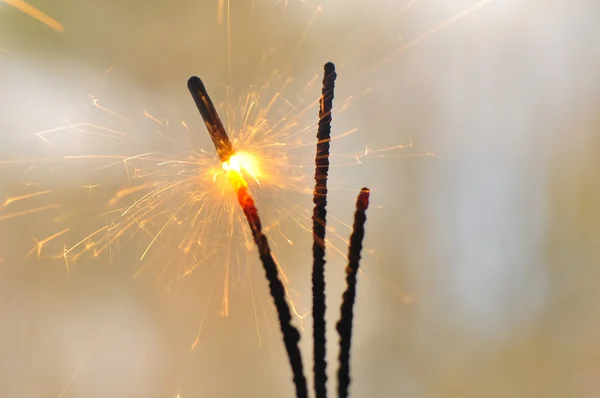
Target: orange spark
(432, 31)
(17, 198)
(220, 7)
(97, 105)
(37, 14)
(39, 245)
(26, 212)
(243, 162)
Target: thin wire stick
(225, 150)
(344, 325)
(291, 336)
(319, 226)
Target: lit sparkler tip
(363, 199)
(211, 118)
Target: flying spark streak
(96, 103)
(402, 11)
(27, 212)
(201, 324)
(426, 35)
(84, 240)
(36, 14)
(317, 11)
(22, 197)
(40, 244)
(96, 343)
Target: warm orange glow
(239, 164)
(243, 162)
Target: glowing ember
(243, 162)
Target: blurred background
(483, 238)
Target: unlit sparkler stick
(225, 150)
(209, 114)
(319, 226)
(344, 325)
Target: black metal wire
(291, 336)
(319, 226)
(344, 325)
(224, 148)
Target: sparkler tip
(211, 118)
(363, 199)
(195, 83)
(329, 68)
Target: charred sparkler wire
(225, 150)
(209, 114)
(319, 226)
(291, 336)
(344, 325)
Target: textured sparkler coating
(291, 336)
(211, 118)
(225, 150)
(319, 227)
(344, 325)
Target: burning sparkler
(209, 114)
(224, 148)
(174, 203)
(291, 336)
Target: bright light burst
(175, 206)
(172, 203)
(180, 208)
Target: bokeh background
(482, 276)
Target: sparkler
(224, 148)
(183, 184)
(209, 114)
(175, 194)
(291, 336)
(319, 226)
(344, 325)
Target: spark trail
(36, 14)
(427, 34)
